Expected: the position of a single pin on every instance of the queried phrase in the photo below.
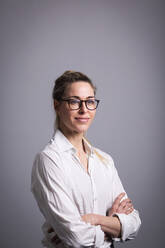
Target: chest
(91, 190)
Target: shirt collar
(65, 145)
(62, 142)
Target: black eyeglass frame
(80, 103)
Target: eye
(73, 101)
(91, 102)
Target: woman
(75, 184)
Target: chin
(81, 129)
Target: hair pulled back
(67, 78)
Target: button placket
(95, 202)
(76, 159)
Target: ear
(56, 105)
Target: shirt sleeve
(54, 197)
(130, 223)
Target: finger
(118, 199)
(124, 206)
(125, 202)
(129, 205)
(130, 210)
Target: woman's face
(76, 121)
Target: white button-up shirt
(64, 192)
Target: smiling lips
(82, 119)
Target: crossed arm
(50, 188)
(110, 223)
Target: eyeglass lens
(91, 104)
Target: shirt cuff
(99, 238)
(129, 226)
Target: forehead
(81, 89)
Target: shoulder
(47, 168)
(48, 158)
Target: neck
(74, 137)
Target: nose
(83, 108)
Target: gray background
(120, 45)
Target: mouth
(82, 119)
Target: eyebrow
(77, 97)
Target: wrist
(101, 219)
(97, 219)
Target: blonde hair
(102, 158)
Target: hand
(93, 219)
(125, 206)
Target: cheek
(92, 114)
(66, 116)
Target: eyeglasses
(75, 104)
